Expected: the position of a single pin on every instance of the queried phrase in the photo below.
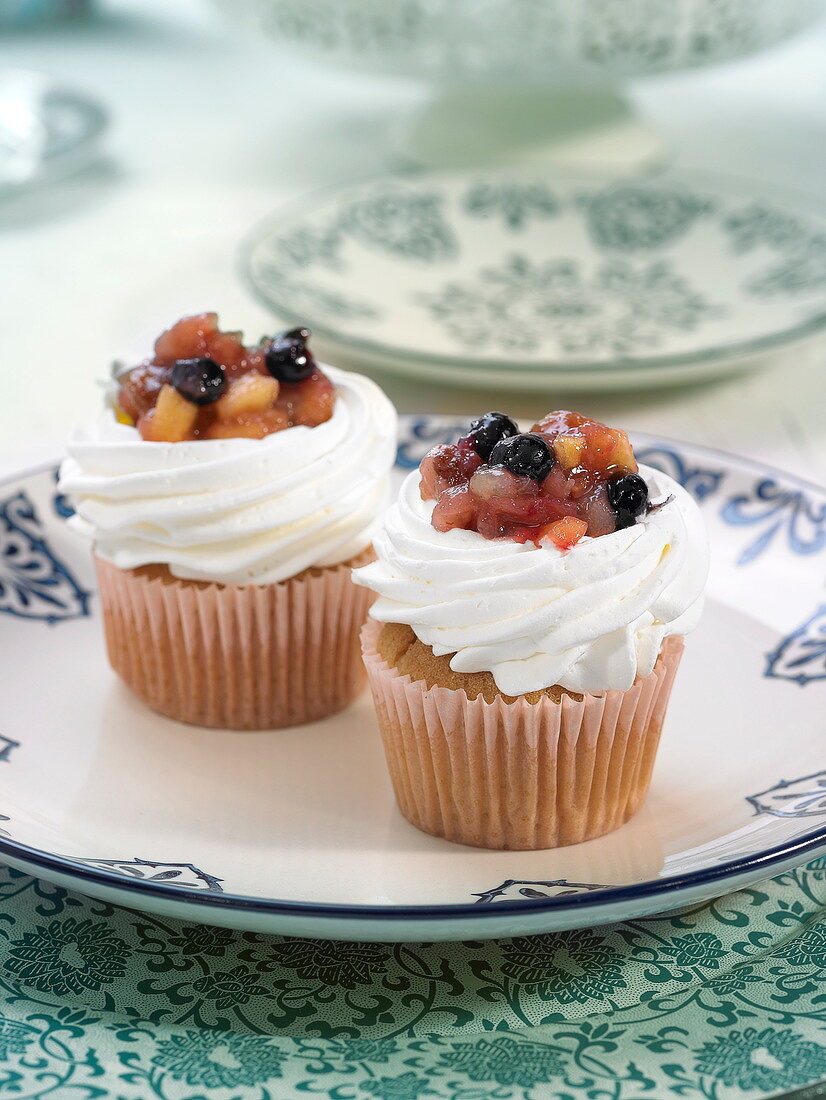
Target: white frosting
(590, 619)
(238, 511)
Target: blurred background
(158, 158)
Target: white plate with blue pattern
(295, 831)
(532, 281)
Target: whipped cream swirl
(238, 511)
(590, 619)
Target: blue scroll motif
(34, 583)
(532, 889)
(801, 656)
(803, 797)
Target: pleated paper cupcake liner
(518, 775)
(236, 657)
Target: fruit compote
(568, 477)
(202, 383)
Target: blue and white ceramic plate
(295, 831)
(544, 281)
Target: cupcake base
(236, 657)
(514, 774)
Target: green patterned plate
(532, 281)
(721, 1001)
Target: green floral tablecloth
(725, 999)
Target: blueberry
(528, 455)
(200, 381)
(487, 431)
(628, 496)
(287, 357)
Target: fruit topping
(596, 509)
(250, 393)
(190, 337)
(528, 455)
(566, 532)
(202, 383)
(447, 465)
(567, 478)
(287, 357)
(139, 389)
(172, 418)
(592, 445)
(486, 432)
(628, 497)
(309, 402)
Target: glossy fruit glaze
(202, 383)
(569, 477)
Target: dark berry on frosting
(628, 497)
(528, 455)
(287, 356)
(488, 430)
(200, 381)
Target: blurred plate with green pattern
(535, 281)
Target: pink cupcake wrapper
(236, 657)
(518, 775)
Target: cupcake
(228, 491)
(533, 594)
